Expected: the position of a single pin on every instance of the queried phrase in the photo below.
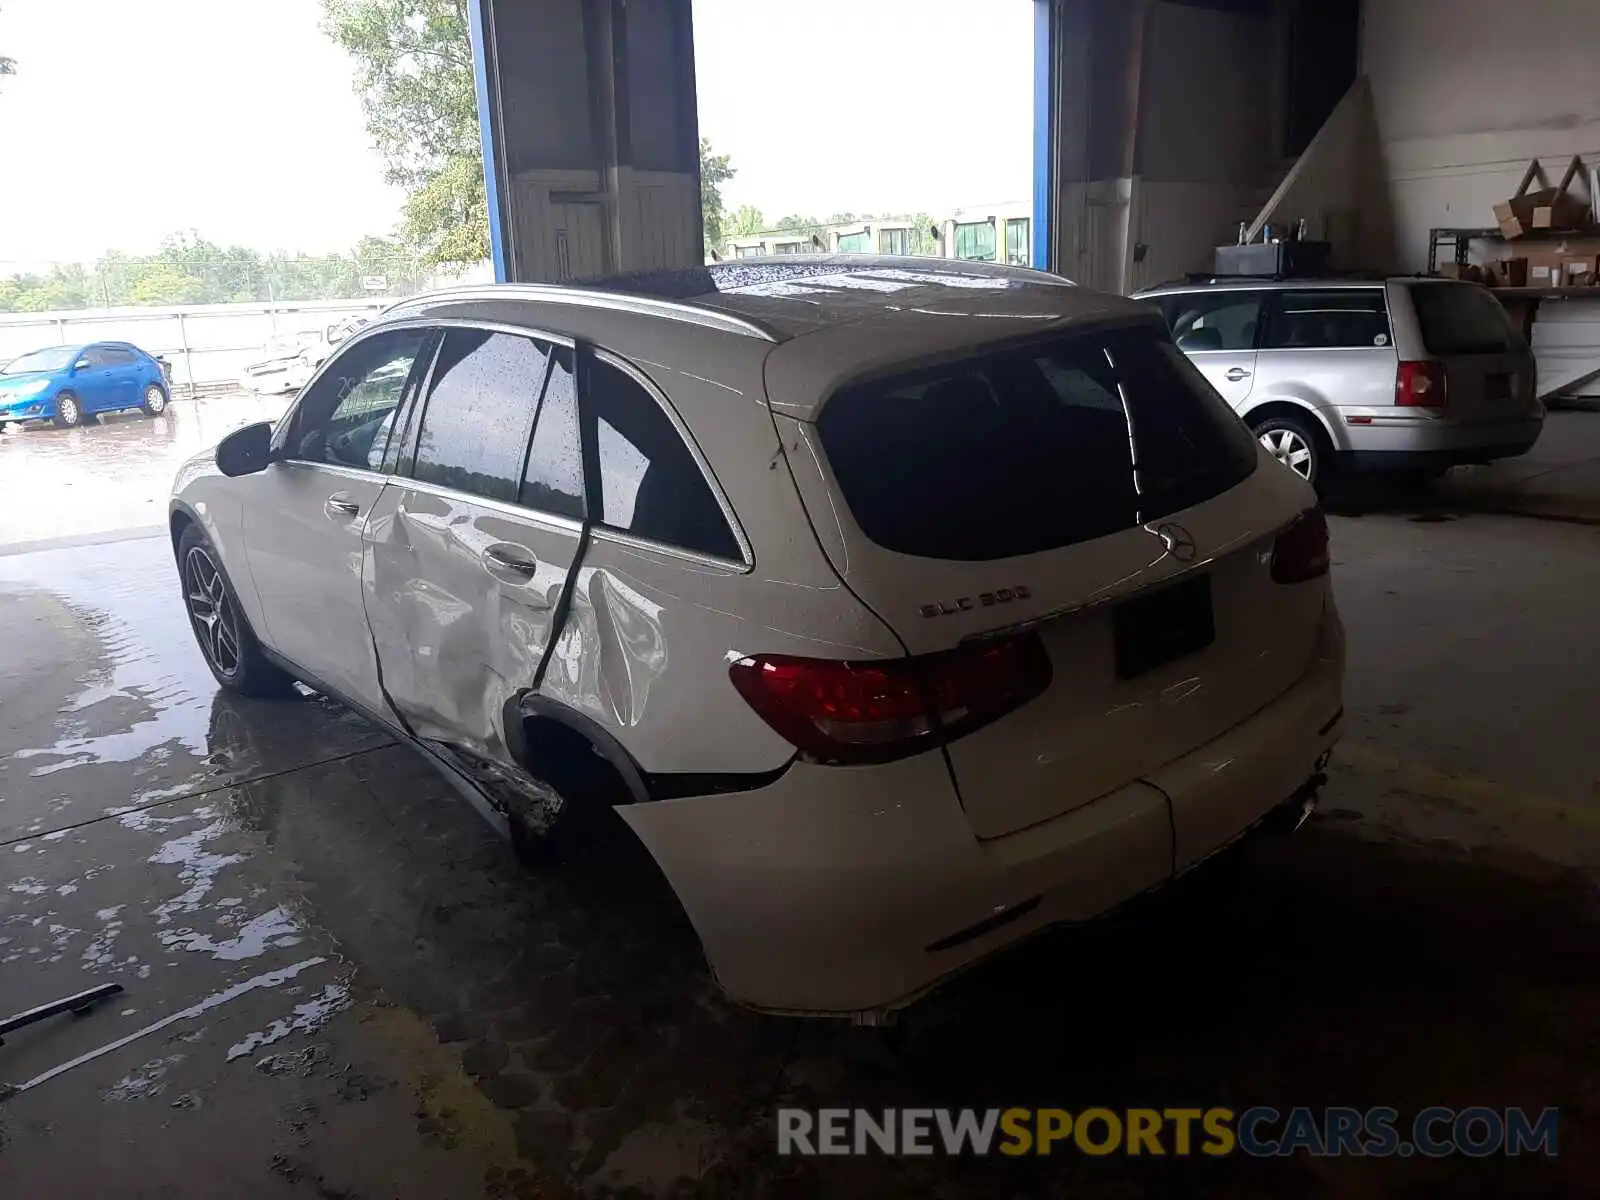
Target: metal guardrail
(209, 346)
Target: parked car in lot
(289, 361)
(71, 384)
(1401, 375)
(900, 608)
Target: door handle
(512, 560)
(340, 505)
(1237, 373)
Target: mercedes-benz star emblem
(1178, 540)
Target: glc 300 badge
(949, 608)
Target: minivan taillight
(875, 711)
(1420, 385)
(1300, 551)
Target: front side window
(1337, 319)
(650, 484)
(1216, 321)
(975, 241)
(344, 418)
(479, 411)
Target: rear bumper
(1393, 443)
(851, 891)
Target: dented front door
(470, 546)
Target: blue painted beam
(479, 17)
(1043, 15)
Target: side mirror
(81, 365)
(245, 451)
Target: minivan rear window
(1462, 318)
(1033, 447)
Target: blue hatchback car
(70, 384)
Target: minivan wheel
(1295, 443)
(68, 411)
(226, 640)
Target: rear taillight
(1301, 549)
(1420, 385)
(861, 712)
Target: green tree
(414, 75)
(748, 221)
(715, 170)
(805, 227)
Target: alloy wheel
(1292, 450)
(154, 400)
(67, 407)
(215, 622)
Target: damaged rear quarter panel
(646, 646)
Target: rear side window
(1031, 449)
(1337, 319)
(117, 357)
(553, 479)
(480, 411)
(1461, 318)
(1213, 320)
(649, 482)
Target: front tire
(227, 642)
(69, 412)
(155, 400)
(1297, 443)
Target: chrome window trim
(339, 470)
(616, 537)
(555, 523)
(709, 318)
(747, 556)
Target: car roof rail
(1350, 275)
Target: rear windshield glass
(1460, 318)
(1032, 448)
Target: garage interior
(338, 982)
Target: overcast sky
(132, 119)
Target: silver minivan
(1401, 375)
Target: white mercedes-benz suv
(900, 607)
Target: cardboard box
(1512, 272)
(1543, 275)
(1546, 208)
(1563, 212)
(1580, 271)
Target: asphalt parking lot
(339, 984)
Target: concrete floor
(340, 985)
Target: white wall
(1466, 91)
